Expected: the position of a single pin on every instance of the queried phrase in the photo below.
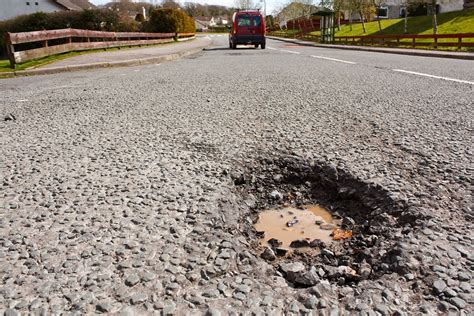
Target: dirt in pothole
(295, 225)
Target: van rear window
(249, 20)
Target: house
(129, 9)
(222, 20)
(393, 9)
(14, 8)
(203, 23)
(293, 11)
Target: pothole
(283, 194)
(305, 228)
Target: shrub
(97, 20)
(169, 21)
(139, 17)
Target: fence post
(435, 41)
(10, 50)
(413, 39)
(176, 37)
(459, 42)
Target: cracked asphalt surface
(117, 195)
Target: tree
(245, 4)
(433, 17)
(170, 4)
(338, 6)
(376, 4)
(365, 8)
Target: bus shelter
(327, 17)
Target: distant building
(393, 9)
(203, 23)
(293, 11)
(14, 8)
(222, 20)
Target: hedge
(169, 21)
(97, 20)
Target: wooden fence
(405, 40)
(26, 46)
(459, 41)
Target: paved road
(132, 189)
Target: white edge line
(334, 59)
(290, 51)
(433, 76)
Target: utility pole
(264, 8)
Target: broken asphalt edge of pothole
(392, 213)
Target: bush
(219, 29)
(97, 20)
(169, 21)
(417, 9)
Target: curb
(400, 51)
(121, 63)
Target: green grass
(448, 23)
(5, 64)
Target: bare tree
(338, 6)
(405, 15)
(245, 4)
(433, 17)
(170, 4)
(364, 8)
(347, 5)
(376, 4)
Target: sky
(271, 4)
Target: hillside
(451, 22)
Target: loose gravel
(135, 190)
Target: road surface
(134, 189)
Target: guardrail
(26, 46)
(405, 40)
(303, 36)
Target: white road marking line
(290, 51)
(433, 76)
(271, 48)
(22, 100)
(334, 59)
(137, 70)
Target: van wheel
(230, 44)
(262, 45)
(256, 45)
(234, 46)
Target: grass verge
(448, 23)
(5, 64)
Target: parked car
(248, 28)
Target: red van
(248, 29)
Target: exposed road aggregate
(133, 190)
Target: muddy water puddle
(288, 225)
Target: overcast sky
(271, 4)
